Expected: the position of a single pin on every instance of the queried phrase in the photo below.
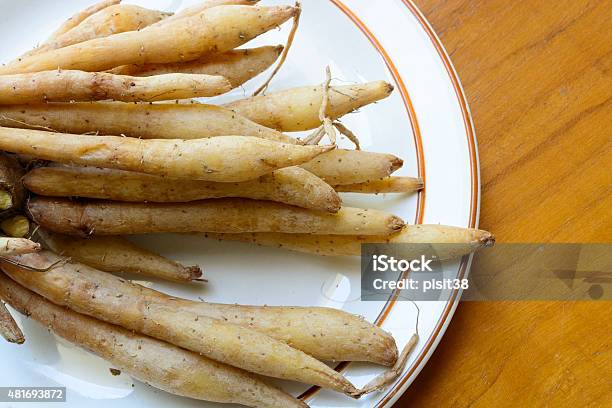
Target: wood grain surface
(537, 74)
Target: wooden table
(537, 74)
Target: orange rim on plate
(447, 314)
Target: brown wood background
(538, 81)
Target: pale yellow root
(16, 226)
(228, 215)
(324, 333)
(66, 86)
(12, 192)
(111, 20)
(382, 186)
(237, 66)
(152, 361)
(291, 185)
(226, 159)
(214, 30)
(140, 120)
(117, 254)
(78, 18)
(108, 298)
(17, 246)
(446, 242)
(8, 326)
(298, 109)
(203, 5)
(339, 166)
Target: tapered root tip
(193, 272)
(396, 164)
(334, 204)
(298, 8)
(15, 340)
(487, 240)
(390, 354)
(287, 11)
(353, 392)
(278, 49)
(396, 223)
(389, 88)
(223, 84)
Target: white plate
(426, 122)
